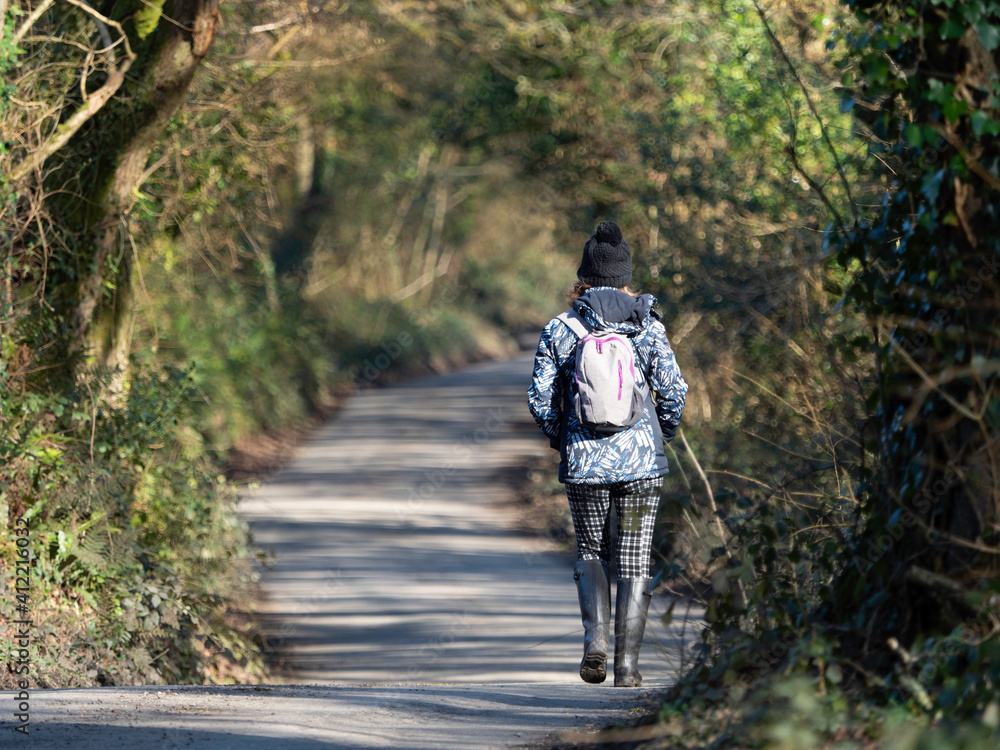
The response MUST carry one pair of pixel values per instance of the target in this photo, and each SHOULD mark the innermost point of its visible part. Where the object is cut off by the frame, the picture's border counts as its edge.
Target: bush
(138, 553)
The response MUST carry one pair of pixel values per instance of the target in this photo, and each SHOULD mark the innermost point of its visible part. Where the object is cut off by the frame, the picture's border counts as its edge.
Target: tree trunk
(107, 159)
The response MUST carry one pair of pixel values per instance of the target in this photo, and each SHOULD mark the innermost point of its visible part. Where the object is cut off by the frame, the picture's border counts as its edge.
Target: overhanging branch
(812, 107)
(30, 21)
(91, 107)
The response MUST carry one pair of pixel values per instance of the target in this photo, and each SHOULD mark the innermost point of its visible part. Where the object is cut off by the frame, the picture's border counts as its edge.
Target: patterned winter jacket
(590, 457)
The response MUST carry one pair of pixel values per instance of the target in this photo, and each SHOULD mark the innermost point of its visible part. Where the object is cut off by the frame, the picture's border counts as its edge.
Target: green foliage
(260, 369)
(799, 712)
(138, 554)
(9, 53)
(148, 17)
(8, 49)
(285, 298)
(924, 273)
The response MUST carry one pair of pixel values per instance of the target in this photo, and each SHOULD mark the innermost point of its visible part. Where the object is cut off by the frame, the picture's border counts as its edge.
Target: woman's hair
(579, 287)
(574, 292)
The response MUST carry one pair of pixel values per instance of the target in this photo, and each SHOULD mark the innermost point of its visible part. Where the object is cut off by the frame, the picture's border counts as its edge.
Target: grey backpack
(609, 398)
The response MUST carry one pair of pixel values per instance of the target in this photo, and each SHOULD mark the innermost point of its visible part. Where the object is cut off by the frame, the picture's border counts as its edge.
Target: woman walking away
(607, 392)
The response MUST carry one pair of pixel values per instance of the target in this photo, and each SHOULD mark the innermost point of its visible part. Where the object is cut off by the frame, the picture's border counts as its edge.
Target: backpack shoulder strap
(575, 322)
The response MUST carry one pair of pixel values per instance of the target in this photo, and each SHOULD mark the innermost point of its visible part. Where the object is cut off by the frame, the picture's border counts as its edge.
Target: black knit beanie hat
(607, 260)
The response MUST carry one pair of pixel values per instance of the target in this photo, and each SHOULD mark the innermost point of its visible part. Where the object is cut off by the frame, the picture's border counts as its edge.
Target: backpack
(609, 399)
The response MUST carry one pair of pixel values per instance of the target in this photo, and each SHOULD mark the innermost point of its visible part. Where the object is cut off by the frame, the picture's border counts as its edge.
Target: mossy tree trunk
(95, 180)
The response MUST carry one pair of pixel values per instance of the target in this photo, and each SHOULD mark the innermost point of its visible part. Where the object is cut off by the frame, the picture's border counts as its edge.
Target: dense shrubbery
(869, 613)
(139, 559)
(139, 562)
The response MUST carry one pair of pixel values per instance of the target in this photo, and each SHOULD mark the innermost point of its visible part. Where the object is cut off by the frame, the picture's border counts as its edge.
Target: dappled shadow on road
(309, 716)
(393, 562)
(430, 602)
(70, 736)
(418, 602)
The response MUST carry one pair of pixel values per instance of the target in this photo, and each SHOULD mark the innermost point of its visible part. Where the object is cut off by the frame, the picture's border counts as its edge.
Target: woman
(625, 468)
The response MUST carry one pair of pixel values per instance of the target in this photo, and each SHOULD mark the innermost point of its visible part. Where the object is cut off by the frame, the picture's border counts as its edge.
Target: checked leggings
(635, 506)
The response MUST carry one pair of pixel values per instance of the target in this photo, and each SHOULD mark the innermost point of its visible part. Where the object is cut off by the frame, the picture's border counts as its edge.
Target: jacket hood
(609, 309)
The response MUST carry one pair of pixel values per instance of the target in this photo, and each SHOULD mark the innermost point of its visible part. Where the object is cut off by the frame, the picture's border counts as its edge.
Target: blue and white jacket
(590, 457)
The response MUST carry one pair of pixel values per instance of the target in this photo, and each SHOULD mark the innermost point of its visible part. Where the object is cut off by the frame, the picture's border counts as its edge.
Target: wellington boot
(631, 608)
(595, 607)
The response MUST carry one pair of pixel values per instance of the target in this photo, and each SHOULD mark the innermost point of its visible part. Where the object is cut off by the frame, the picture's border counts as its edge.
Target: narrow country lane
(407, 612)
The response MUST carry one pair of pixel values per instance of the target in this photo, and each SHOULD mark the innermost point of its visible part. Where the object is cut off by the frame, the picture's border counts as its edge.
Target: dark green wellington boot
(631, 608)
(592, 585)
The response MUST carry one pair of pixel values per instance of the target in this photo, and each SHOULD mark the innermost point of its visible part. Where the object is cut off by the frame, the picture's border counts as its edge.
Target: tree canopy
(217, 216)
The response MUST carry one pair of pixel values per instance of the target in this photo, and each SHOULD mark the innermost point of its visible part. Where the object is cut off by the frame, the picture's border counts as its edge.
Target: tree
(96, 86)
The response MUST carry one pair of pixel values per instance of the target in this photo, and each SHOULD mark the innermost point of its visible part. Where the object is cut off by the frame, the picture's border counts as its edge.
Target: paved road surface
(409, 616)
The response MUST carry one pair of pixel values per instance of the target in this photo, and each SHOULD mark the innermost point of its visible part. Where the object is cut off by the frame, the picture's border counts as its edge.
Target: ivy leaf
(877, 70)
(873, 400)
(989, 34)
(930, 187)
(954, 109)
(147, 19)
(982, 123)
(952, 28)
(914, 135)
(938, 92)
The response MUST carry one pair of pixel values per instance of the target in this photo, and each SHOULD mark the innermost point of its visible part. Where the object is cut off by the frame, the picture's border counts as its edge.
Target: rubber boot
(592, 585)
(631, 608)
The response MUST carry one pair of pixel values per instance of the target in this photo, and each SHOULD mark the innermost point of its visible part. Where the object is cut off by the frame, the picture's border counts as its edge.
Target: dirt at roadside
(260, 455)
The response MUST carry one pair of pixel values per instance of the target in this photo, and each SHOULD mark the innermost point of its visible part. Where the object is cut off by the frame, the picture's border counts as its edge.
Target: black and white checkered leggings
(635, 505)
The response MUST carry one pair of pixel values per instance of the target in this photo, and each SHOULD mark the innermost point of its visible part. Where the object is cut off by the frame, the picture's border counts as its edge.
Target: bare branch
(715, 509)
(30, 21)
(323, 62)
(708, 489)
(427, 278)
(275, 25)
(49, 39)
(102, 19)
(68, 129)
(812, 107)
(939, 583)
(970, 161)
(91, 106)
(819, 190)
(930, 383)
(102, 29)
